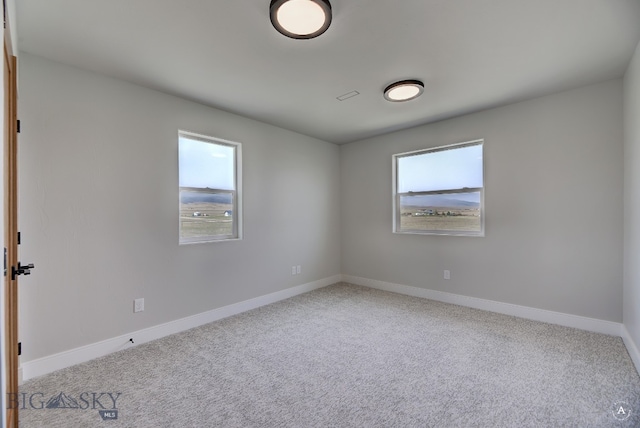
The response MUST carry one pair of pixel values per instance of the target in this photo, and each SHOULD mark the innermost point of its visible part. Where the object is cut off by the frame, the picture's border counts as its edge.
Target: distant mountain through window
(460, 200)
(211, 198)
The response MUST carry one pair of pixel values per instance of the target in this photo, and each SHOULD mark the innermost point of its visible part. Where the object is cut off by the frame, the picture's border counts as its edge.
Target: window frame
(397, 195)
(236, 214)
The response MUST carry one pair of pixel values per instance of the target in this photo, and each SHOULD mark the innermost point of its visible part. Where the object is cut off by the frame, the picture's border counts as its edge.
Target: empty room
(321, 213)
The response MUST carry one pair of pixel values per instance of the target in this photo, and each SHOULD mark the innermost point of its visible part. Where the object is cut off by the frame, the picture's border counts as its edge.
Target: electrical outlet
(447, 274)
(138, 305)
(298, 269)
(293, 270)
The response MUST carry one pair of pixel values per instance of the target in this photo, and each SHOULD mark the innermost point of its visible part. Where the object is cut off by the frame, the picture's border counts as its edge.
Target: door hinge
(19, 348)
(5, 261)
(19, 238)
(18, 126)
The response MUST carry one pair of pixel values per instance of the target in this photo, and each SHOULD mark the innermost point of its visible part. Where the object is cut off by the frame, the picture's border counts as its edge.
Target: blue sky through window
(450, 169)
(203, 164)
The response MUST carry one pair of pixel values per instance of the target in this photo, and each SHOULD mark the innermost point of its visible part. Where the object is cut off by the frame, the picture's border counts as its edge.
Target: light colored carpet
(349, 356)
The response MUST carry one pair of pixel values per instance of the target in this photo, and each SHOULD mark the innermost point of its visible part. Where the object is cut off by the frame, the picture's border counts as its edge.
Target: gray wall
(632, 198)
(553, 197)
(99, 212)
(99, 208)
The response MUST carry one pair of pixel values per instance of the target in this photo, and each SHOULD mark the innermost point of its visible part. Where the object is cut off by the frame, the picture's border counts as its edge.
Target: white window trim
(237, 193)
(396, 195)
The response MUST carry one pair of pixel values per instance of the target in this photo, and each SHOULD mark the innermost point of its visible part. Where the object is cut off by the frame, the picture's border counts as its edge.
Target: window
(210, 186)
(440, 191)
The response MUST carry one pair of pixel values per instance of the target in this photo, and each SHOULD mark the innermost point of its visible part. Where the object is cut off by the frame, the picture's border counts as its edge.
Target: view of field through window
(440, 190)
(207, 189)
(441, 213)
(205, 214)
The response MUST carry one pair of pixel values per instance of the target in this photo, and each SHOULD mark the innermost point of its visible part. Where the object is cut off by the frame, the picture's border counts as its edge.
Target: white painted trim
(51, 363)
(634, 353)
(567, 320)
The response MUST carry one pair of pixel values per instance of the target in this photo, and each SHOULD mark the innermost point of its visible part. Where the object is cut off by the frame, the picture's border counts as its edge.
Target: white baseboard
(51, 363)
(631, 347)
(567, 320)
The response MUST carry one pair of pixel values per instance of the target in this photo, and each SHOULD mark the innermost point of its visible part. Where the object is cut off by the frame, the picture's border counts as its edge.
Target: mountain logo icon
(62, 401)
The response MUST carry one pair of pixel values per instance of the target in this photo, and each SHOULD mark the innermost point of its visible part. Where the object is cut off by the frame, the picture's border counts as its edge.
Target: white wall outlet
(138, 305)
(447, 274)
(298, 269)
(293, 270)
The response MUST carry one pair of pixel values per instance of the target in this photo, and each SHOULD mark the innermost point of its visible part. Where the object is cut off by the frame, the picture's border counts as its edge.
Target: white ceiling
(471, 54)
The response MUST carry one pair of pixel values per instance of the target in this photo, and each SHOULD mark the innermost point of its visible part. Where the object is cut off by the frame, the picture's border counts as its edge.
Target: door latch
(21, 270)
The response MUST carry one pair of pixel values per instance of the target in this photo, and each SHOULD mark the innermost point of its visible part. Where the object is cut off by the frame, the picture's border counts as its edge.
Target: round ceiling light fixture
(300, 19)
(404, 90)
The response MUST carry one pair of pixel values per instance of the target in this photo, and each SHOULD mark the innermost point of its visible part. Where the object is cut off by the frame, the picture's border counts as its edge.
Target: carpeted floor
(349, 356)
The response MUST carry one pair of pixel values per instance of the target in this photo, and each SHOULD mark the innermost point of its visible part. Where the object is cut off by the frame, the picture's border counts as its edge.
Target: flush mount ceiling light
(404, 90)
(301, 19)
